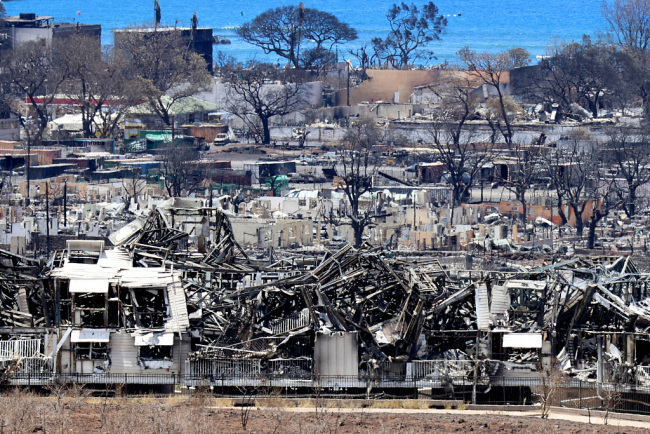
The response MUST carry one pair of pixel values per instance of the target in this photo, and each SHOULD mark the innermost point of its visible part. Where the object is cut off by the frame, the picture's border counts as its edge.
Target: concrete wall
(264, 233)
(220, 95)
(397, 86)
(20, 35)
(336, 354)
(384, 83)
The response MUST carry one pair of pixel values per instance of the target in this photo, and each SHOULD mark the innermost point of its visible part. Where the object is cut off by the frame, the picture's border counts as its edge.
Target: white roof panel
(89, 285)
(90, 335)
(522, 340)
(157, 339)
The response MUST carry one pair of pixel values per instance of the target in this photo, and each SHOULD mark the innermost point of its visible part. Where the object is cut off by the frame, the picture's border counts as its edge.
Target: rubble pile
(348, 291)
(21, 293)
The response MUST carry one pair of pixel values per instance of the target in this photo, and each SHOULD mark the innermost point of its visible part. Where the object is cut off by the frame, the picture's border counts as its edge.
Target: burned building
(199, 39)
(30, 27)
(179, 301)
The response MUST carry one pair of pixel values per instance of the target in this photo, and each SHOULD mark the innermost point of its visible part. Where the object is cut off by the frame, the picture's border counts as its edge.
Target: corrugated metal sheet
(336, 354)
(482, 308)
(23, 306)
(71, 270)
(179, 320)
(522, 340)
(183, 355)
(116, 258)
(145, 278)
(85, 245)
(124, 354)
(89, 285)
(500, 300)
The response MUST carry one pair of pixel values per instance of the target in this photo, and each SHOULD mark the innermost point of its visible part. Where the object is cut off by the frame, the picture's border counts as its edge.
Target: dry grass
(222, 402)
(73, 412)
(413, 404)
(306, 403)
(274, 402)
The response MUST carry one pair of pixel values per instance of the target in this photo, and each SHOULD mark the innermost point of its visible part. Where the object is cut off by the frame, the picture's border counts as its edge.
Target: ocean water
(482, 25)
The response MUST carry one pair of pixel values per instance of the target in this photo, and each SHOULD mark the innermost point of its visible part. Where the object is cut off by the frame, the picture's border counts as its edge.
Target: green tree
(287, 30)
(411, 30)
(325, 30)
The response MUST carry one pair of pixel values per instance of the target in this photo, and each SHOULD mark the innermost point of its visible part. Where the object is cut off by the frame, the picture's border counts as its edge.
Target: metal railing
(44, 379)
(568, 393)
(16, 349)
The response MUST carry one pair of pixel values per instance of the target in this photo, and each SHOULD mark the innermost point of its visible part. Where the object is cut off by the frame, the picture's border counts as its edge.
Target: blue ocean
(482, 25)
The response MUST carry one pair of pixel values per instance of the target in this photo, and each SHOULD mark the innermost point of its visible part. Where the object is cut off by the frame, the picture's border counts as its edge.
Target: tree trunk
(27, 166)
(646, 103)
(266, 131)
(508, 135)
(594, 106)
(522, 199)
(579, 224)
(457, 192)
(86, 127)
(357, 228)
(595, 218)
(561, 212)
(591, 237)
(631, 208)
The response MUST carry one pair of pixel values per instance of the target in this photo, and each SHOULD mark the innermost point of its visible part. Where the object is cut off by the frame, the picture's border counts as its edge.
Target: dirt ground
(23, 413)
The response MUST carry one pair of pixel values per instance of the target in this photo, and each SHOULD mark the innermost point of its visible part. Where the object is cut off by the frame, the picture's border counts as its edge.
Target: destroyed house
(115, 318)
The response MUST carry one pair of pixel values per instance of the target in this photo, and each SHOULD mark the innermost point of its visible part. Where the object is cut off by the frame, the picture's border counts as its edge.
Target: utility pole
(415, 235)
(47, 218)
(65, 203)
(348, 68)
(210, 203)
(27, 166)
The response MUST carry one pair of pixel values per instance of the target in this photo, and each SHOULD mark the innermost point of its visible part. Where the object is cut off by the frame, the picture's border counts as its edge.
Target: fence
(43, 379)
(568, 393)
